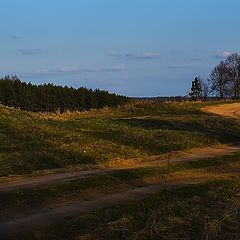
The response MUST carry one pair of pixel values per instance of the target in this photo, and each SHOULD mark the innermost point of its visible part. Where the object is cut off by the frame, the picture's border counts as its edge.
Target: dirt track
(226, 110)
(48, 216)
(192, 155)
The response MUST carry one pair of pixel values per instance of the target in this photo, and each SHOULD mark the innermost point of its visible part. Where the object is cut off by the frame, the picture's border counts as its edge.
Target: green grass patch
(33, 141)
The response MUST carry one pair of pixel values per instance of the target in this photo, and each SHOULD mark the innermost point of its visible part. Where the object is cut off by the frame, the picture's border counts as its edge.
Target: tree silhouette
(51, 98)
(196, 90)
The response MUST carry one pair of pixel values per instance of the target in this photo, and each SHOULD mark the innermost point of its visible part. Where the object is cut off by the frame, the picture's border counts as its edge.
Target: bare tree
(220, 82)
(205, 88)
(233, 65)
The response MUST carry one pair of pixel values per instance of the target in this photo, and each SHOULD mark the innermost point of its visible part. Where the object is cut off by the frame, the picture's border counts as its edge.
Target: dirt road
(49, 216)
(226, 110)
(191, 155)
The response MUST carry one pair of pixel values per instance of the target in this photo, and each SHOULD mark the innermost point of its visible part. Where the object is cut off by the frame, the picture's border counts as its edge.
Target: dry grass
(108, 137)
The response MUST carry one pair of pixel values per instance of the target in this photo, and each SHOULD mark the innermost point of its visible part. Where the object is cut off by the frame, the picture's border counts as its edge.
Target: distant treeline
(163, 99)
(52, 98)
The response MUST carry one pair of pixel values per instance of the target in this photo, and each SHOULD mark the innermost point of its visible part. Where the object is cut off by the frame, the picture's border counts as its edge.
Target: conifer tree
(51, 98)
(196, 90)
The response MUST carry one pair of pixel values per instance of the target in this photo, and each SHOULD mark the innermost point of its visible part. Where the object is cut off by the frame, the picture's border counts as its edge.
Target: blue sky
(131, 47)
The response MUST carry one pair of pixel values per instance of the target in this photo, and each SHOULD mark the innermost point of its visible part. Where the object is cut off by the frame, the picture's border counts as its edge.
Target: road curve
(227, 110)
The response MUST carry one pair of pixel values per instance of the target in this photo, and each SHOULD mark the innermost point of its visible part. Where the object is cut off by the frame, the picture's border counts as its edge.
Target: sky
(131, 47)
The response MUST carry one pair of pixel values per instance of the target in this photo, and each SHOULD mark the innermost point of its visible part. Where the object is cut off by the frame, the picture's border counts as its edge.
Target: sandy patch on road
(226, 110)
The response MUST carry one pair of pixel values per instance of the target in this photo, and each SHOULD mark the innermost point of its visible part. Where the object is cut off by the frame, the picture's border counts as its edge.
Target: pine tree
(196, 90)
(51, 98)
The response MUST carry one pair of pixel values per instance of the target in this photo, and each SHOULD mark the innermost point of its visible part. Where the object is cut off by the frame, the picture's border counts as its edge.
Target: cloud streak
(116, 68)
(27, 52)
(180, 67)
(73, 69)
(144, 56)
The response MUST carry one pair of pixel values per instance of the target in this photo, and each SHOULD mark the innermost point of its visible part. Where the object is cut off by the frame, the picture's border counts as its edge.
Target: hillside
(117, 136)
(131, 172)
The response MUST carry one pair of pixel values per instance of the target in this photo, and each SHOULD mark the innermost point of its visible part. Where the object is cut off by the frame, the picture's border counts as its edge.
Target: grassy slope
(31, 141)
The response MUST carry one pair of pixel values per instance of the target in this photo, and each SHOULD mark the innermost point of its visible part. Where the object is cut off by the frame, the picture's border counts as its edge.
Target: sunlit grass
(37, 141)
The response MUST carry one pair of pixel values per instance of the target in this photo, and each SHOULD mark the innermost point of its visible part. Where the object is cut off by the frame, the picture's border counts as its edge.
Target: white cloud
(144, 56)
(120, 67)
(41, 71)
(180, 67)
(74, 69)
(113, 54)
(33, 51)
(224, 54)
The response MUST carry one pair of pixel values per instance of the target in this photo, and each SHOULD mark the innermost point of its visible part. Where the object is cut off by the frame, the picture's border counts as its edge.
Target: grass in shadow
(203, 211)
(224, 130)
(41, 195)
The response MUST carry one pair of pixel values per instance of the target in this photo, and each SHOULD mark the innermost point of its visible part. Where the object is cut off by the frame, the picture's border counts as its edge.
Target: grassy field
(37, 144)
(33, 141)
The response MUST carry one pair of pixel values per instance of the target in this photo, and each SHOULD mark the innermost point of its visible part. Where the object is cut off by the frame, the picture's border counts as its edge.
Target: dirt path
(191, 155)
(43, 217)
(49, 216)
(226, 110)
